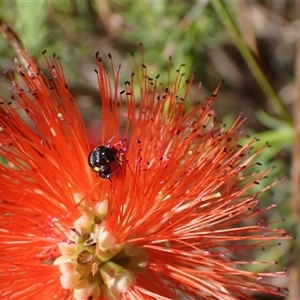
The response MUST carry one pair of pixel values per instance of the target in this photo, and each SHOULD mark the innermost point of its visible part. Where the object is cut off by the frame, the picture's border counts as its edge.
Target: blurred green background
(249, 44)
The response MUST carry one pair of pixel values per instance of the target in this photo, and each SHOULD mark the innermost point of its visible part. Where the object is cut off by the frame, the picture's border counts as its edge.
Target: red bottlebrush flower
(154, 212)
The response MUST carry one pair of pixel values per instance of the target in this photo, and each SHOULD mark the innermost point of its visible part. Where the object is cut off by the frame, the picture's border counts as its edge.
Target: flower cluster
(156, 212)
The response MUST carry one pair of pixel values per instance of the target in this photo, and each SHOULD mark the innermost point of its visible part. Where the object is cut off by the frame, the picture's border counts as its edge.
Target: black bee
(102, 160)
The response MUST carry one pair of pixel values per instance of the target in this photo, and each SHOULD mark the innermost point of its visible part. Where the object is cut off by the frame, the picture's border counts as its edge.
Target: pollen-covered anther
(70, 276)
(67, 248)
(86, 290)
(117, 279)
(84, 224)
(101, 208)
(106, 247)
(105, 239)
(74, 235)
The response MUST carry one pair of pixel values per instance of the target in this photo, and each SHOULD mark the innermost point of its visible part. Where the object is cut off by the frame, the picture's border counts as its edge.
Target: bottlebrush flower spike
(164, 222)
